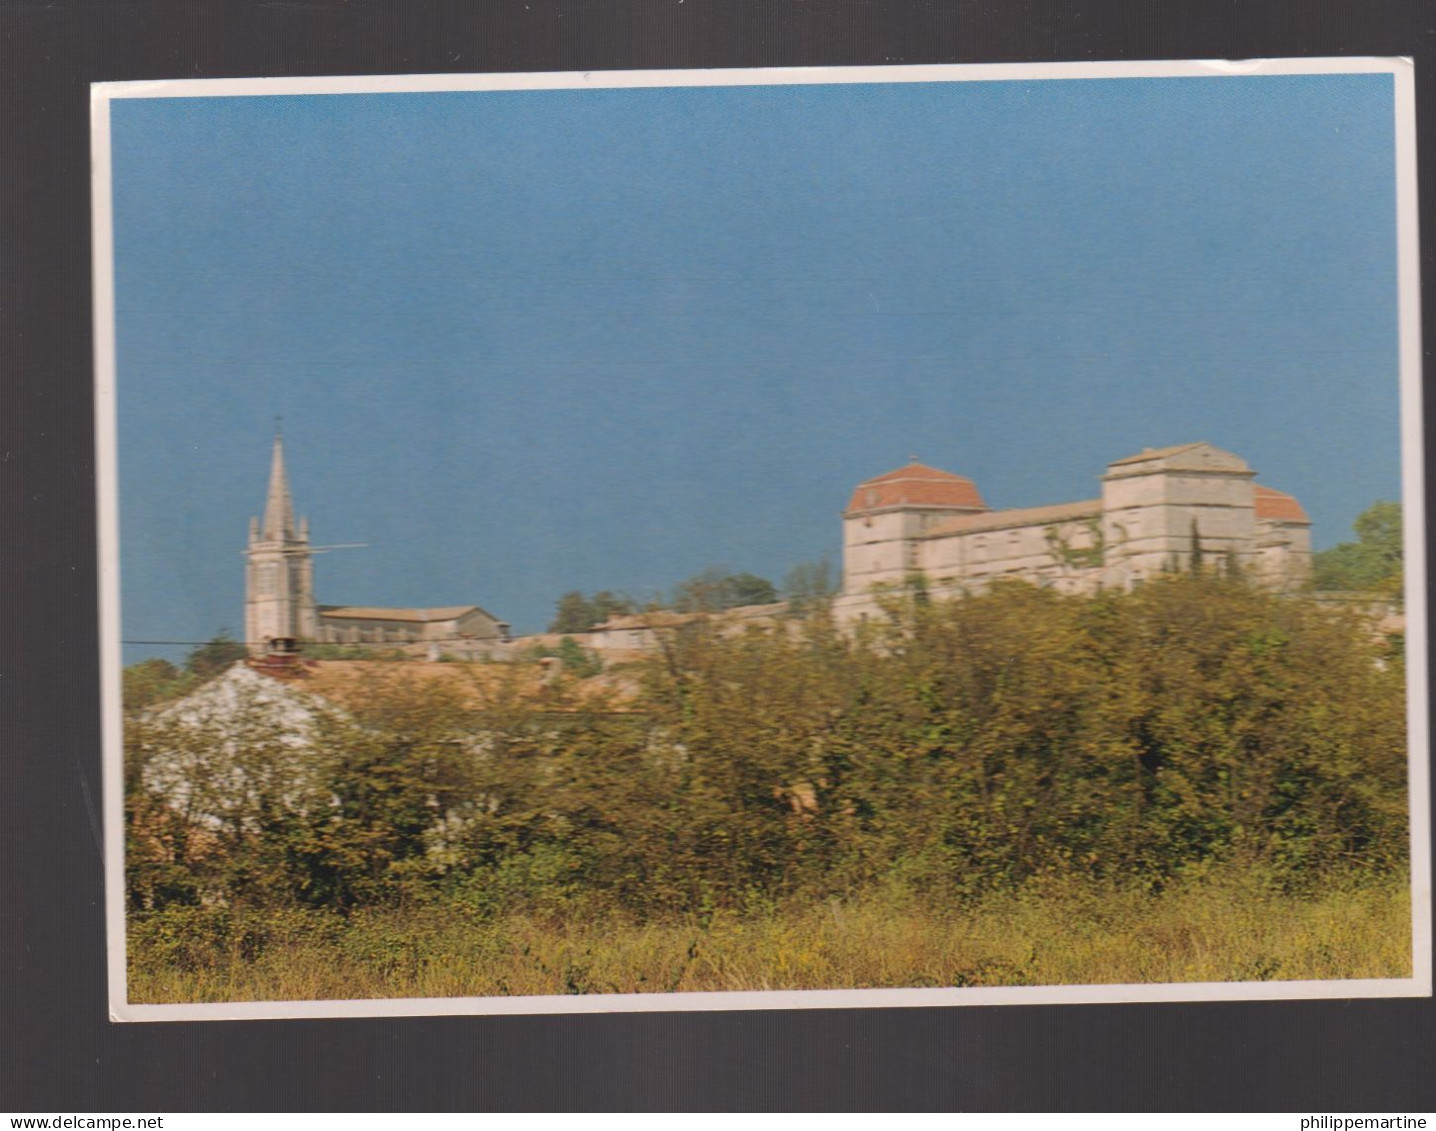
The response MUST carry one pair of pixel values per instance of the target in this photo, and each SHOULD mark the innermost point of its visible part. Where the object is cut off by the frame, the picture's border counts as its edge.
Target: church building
(279, 599)
(1162, 510)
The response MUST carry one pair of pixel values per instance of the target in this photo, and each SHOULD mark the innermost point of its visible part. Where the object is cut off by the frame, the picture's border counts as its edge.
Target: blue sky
(527, 342)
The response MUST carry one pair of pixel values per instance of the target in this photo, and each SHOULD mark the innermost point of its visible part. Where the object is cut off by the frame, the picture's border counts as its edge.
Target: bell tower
(279, 572)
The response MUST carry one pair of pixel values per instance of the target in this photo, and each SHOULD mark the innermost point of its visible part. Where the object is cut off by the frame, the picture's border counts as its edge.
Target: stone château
(1162, 510)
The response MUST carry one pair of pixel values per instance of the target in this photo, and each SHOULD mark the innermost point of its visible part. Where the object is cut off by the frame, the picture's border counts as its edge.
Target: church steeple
(278, 523)
(279, 580)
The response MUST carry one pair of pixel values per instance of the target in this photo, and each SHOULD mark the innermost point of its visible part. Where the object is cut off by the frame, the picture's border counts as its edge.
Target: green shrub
(959, 748)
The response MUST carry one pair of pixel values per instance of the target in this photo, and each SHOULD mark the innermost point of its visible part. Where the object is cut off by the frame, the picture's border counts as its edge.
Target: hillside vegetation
(1199, 780)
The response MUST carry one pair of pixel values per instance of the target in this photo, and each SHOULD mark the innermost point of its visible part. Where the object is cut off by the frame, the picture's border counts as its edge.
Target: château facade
(1162, 510)
(279, 599)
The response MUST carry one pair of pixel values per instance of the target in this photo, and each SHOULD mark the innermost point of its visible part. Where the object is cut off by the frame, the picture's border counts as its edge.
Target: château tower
(279, 576)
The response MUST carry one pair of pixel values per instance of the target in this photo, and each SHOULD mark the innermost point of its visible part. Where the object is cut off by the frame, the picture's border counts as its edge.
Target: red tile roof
(916, 485)
(1277, 506)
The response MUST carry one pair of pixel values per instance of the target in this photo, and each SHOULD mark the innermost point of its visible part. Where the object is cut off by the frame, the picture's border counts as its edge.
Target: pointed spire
(278, 523)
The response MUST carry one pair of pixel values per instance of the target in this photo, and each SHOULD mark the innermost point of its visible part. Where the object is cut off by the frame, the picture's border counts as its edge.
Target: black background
(59, 1051)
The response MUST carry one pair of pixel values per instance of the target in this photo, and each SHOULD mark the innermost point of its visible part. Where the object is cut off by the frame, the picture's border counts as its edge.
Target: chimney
(282, 659)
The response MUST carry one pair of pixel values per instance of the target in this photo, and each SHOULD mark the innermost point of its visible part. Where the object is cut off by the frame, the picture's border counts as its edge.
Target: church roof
(916, 485)
(408, 616)
(1277, 506)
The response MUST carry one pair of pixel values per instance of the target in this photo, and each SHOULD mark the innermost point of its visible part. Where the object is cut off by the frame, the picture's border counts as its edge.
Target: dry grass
(1213, 930)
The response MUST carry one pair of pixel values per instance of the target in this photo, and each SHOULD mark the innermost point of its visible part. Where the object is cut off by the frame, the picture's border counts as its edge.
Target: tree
(607, 604)
(575, 613)
(715, 590)
(153, 681)
(220, 654)
(577, 660)
(810, 586)
(749, 589)
(578, 613)
(1372, 562)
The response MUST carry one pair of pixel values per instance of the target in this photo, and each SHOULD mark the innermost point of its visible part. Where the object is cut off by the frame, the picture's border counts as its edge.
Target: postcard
(692, 540)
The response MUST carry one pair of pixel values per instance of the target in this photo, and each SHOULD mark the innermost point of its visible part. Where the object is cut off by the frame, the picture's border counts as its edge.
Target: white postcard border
(1413, 501)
